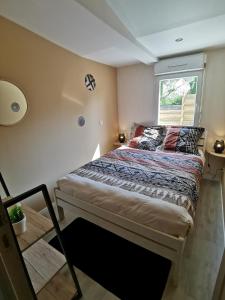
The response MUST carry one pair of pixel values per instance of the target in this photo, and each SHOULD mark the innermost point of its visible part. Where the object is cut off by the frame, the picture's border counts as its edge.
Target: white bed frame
(166, 245)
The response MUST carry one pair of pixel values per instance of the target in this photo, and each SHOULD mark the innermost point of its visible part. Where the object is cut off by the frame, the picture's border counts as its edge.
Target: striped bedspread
(169, 176)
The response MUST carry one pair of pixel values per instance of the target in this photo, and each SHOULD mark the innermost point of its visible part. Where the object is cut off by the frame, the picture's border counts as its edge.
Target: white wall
(136, 99)
(135, 95)
(213, 111)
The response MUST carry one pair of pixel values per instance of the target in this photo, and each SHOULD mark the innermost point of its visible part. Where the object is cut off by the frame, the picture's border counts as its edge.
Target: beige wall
(135, 95)
(48, 143)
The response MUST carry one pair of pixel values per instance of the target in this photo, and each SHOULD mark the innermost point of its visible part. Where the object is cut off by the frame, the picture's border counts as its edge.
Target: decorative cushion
(183, 139)
(147, 138)
(137, 129)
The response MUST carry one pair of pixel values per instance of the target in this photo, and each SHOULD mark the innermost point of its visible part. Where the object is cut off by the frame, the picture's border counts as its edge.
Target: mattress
(156, 189)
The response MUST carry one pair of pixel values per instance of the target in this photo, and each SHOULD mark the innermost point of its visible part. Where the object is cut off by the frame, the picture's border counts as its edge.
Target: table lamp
(219, 146)
(121, 137)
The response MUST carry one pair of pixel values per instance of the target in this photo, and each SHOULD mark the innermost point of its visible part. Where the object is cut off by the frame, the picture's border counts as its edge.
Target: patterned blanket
(172, 177)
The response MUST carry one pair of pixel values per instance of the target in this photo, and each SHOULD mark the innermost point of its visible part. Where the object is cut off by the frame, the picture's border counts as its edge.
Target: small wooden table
(118, 144)
(212, 153)
(221, 155)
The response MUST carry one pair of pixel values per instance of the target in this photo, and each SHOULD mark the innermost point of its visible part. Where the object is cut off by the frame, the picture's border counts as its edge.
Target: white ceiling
(197, 36)
(145, 17)
(121, 32)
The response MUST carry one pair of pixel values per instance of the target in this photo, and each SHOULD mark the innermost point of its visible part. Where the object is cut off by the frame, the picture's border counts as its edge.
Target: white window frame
(198, 102)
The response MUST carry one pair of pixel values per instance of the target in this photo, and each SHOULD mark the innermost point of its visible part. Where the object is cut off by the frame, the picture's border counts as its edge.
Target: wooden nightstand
(210, 155)
(118, 144)
(221, 155)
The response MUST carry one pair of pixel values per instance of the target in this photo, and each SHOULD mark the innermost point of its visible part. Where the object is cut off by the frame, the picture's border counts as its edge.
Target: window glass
(177, 100)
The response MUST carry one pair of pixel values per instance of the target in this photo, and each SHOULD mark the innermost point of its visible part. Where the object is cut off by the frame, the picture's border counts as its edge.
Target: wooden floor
(202, 254)
(204, 249)
(92, 290)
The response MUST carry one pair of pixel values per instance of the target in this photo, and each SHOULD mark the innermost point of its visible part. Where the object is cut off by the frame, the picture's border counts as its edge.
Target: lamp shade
(219, 146)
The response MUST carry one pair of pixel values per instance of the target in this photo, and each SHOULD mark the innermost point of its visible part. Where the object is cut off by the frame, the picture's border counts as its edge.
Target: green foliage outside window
(174, 101)
(170, 93)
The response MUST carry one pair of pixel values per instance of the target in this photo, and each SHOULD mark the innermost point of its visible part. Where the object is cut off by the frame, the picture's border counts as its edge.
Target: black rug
(125, 269)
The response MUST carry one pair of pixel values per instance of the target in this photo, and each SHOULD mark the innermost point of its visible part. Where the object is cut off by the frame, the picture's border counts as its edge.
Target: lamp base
(219, 151)
(121, 138)
(219, 146)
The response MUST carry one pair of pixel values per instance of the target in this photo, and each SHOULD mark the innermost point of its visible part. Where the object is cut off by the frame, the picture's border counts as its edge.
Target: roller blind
(186, 63)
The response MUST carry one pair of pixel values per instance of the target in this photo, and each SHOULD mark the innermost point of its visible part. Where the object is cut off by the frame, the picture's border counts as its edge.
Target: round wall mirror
(13, 104)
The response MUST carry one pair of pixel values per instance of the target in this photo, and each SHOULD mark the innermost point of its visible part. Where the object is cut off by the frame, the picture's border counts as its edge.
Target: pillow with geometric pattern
(137, 129)
(147, 138)
(183, 139)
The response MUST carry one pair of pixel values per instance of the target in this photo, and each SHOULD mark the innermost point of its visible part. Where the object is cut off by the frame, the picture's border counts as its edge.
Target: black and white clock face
(90, 82)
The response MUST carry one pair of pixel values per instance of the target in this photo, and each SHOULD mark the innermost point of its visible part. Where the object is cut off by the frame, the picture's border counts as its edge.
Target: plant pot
(21, 226)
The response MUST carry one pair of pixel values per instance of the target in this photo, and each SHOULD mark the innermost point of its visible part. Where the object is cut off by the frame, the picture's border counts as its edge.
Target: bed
(147, 197)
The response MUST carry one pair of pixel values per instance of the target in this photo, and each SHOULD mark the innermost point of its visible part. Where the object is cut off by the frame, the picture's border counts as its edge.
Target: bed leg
(176, 271)
(59, 208)
(60, 212)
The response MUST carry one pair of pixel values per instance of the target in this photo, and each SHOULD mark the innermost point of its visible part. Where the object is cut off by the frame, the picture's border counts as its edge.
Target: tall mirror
(13, 104)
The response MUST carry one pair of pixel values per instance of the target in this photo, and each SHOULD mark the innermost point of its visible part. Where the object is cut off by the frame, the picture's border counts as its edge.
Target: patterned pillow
(183, 139)
(150, 138)
(137, 129)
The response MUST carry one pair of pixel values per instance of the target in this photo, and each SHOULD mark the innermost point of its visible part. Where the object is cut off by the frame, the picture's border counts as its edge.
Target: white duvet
(155, 213)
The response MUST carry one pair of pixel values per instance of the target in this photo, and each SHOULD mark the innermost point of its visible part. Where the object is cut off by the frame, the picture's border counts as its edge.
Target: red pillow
(139, 130)
(137, 134)
(134, 142)
(171, 139)
(183, 139)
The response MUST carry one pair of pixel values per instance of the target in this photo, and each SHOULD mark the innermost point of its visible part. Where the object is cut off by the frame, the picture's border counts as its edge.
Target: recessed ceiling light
(180, 39)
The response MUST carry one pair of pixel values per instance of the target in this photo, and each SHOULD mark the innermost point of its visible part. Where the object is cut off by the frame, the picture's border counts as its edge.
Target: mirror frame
(13, 104)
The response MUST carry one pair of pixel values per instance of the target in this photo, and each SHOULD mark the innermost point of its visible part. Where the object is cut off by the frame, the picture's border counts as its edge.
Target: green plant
(16, 214)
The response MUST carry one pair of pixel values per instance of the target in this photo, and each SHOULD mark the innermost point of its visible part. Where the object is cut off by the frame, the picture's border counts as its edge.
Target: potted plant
(18, 219)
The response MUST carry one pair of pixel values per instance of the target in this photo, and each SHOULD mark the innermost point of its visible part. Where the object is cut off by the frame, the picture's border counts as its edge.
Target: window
(178, 88)
(179, 98)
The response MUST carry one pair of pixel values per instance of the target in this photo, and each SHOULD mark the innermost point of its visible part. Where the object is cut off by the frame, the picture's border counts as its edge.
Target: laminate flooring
(202, 254)
(204, 249)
